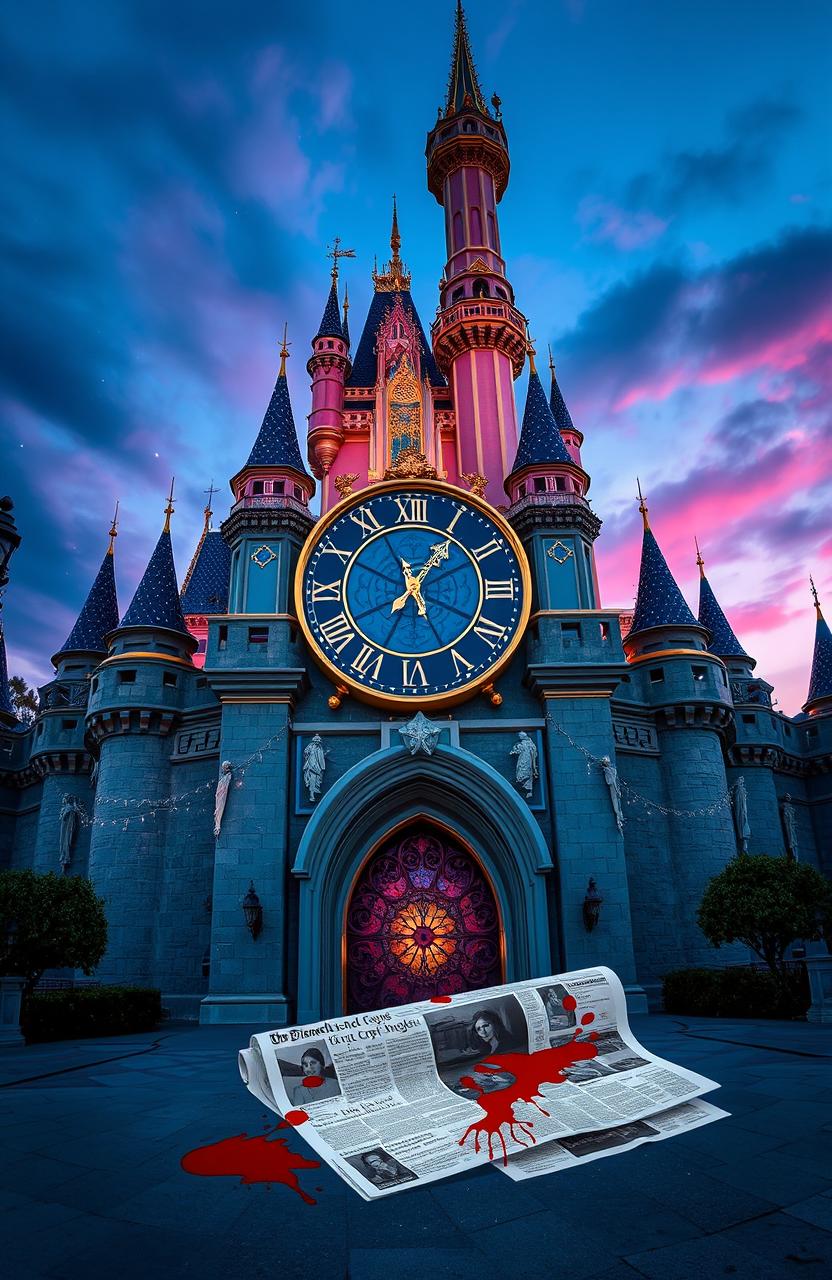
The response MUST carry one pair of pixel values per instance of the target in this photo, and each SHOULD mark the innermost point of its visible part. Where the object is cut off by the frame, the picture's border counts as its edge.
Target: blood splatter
(296, 1117)
(440, 999)
(587, 1018)
(257, 1159)
(526, 1073)
(312, 1082)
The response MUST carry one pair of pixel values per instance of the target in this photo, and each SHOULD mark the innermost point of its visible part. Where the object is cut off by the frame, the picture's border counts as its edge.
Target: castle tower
(479, 338)
(328, 367)
(819, 698)
(136, 699)
(205, 587)
(256, 667)
(687, 687)
(59, 751)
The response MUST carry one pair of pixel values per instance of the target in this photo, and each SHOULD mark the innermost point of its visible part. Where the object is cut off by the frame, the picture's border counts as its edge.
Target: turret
(819, 698)
(86, 643)
(328, 367)
(572, 437)
(745, 687)
(205, 587)
(479, 338)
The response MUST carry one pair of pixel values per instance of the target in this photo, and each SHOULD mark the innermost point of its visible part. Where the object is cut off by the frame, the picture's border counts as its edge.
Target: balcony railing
(273, 501)
(478, 309)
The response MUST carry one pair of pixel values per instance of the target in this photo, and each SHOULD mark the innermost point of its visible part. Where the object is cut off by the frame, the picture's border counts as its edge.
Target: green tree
(49, 922)
(24, 699)
(767, 903)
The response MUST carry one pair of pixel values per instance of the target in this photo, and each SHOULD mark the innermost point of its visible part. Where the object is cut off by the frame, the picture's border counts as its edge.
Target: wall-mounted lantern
(253, 911)
(592, 905)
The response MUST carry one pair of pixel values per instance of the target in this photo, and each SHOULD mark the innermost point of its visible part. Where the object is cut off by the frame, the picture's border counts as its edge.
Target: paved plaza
(90, 1183)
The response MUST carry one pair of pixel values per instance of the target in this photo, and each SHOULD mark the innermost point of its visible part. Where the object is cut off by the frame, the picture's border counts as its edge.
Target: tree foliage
(767, 903)
(49, 922)
(24, 699)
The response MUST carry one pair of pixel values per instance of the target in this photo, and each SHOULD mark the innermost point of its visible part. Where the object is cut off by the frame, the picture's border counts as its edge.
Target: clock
(412, 592)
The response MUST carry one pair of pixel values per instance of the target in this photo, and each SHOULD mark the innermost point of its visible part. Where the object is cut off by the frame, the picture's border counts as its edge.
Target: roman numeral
(498, 590)
(413, 673)
(412, 511)
(453, 522)
(329, 549)
(326, 591)
(365, 519)
(367, 662)
(460, 662)
(488, 550)
(491, 632)
(337, 632)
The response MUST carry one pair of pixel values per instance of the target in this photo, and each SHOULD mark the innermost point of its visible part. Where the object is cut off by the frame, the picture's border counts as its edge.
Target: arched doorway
(422, 920)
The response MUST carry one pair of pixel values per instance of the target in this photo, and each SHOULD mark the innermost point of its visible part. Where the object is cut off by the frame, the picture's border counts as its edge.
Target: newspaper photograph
(405, 1096)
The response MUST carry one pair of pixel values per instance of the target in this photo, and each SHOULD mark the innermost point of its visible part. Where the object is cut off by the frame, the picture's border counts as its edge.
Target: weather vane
(337, 252)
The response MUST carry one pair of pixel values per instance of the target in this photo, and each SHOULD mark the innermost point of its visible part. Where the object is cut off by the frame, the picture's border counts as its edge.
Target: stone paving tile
(481, 1201)
(788, 1118)
(708, 1257)
(381, 1264)
(814, 1153)
(781, 1180)
(817, 1209)
(774, 1237)
(541, 1246)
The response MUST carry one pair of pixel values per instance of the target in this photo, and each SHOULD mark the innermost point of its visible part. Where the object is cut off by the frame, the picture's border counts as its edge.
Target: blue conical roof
(330, 326)
(345, 328)
(365, 364)
(659, 602)
(277, 441)
(205, 589)
(7, 711)
(463, 82)
(557, 404)
(540, 439)
(723, 641)
(99, 615)
(156, 602)
(820, 681)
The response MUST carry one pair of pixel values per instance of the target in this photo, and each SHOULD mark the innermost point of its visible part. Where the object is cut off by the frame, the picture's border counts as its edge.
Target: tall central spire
(464, 91)
(395, 277)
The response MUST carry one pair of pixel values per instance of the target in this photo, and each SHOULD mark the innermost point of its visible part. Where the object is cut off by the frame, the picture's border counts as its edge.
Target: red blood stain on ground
(312, 1082)
(440, 999)
(255, 1159)
(294, 1118)
(529, 1072)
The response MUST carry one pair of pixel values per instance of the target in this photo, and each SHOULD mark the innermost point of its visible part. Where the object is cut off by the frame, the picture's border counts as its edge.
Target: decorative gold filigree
(345, 483)
(559, 552)
(410, 464)
(478, 265)
(476, 483)
(395, 277)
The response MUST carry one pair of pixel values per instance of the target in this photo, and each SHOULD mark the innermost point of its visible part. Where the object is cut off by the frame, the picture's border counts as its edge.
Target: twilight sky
(174, 172)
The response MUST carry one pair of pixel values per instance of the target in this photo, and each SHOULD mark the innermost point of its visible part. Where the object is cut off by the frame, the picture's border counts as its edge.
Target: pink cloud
(601, 221)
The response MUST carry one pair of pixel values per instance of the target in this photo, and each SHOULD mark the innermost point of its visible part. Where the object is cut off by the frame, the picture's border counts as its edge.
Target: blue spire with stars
(557, 404)
(205, 589)
(277, 441)
(723, 641)
(659, 602)
(156, 602)
(330, 326)
(540, 439)
(820, 681)
(99, 615)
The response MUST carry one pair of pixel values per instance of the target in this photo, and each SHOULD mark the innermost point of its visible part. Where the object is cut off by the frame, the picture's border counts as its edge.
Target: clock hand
(439, 552)
(414, 582)
(410, 583)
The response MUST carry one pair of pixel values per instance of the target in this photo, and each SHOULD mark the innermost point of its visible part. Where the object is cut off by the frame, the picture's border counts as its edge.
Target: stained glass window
(422, 921)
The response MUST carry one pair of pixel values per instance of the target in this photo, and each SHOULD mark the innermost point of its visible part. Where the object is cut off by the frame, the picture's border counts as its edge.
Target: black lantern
(9, 539)
(592, 905)
(253, 911)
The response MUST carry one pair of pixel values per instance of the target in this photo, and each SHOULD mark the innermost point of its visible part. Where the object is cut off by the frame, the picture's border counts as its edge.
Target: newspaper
(402, 1097)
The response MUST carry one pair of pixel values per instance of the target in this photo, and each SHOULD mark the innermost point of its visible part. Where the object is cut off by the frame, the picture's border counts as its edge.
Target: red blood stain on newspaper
(526, 1073)
(258, 1159)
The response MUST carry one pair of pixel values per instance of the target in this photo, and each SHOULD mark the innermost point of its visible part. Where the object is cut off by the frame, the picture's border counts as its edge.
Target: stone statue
(221, 794)
(526, 751)
(789, 826)
(741, 814)
(70, 816)
(94, 774)
(420, 734)
(611, 778)
(314, 766)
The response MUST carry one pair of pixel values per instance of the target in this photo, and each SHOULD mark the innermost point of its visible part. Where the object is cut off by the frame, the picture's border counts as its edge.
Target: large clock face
(412, 591)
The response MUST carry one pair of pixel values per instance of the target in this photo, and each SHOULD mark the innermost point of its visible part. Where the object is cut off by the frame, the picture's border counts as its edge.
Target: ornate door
(422, 921)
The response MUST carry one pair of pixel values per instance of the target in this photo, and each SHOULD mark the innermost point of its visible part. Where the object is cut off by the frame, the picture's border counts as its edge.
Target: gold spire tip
(642, 506)
(113, 531)
(335, 253)
(699, 559)
(169, 507)
(284, 351)
(530, 351)
(208, 511)
(815, 597)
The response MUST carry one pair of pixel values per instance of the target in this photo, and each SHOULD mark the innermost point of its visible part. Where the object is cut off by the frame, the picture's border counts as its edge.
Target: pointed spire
(205, 589)
(277, 440)
(540, 440)
(394, 277)
(464, 91)
(345, 327)
(330, 326)
(820, 681)
(723, 642)
(99, 613)
(206, 526)
(659, 602)
(284, 353)
(113, 531)
(156, 601)
(557, 404)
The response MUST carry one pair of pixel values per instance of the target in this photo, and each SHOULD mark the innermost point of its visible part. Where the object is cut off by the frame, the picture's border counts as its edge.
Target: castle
(404, 750)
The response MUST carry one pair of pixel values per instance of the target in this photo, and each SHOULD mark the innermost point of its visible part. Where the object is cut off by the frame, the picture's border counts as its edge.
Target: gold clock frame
(396, 701)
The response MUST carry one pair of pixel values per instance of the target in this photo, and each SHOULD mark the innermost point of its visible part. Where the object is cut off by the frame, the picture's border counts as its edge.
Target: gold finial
(395, 238)
(346, 300)
(530, 350)
(699, 559)
(395, 276)
(551, 360)
(208, 512)
(335, 253)
(113, 531)
(169, 507)
(642, 506)
(815, 597)
(284, 351)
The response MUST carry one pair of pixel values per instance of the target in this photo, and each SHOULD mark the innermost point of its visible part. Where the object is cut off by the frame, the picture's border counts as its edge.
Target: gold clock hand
(410, 583)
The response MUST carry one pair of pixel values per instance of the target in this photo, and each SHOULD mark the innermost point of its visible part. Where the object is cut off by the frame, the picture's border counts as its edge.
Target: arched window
(457, 295)
(480, 289)
(501, 293)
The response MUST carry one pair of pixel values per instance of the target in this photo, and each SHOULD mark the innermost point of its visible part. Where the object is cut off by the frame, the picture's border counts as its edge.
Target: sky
(173, 174)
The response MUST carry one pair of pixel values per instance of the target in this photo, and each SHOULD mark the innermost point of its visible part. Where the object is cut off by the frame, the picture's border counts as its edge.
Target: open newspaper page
(401, 1097)
(569, 1153)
